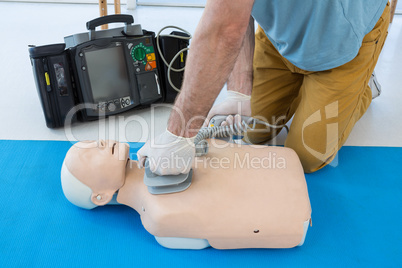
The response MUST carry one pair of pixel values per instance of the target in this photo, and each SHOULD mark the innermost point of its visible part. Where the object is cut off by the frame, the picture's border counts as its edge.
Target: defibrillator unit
(103, 73)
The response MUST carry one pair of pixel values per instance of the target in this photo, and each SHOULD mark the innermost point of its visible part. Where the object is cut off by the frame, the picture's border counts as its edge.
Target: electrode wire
(169, 65)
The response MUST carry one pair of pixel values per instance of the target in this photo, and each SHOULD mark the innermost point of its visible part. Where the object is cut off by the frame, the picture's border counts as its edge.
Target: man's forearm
(241, 77)
(213, 53)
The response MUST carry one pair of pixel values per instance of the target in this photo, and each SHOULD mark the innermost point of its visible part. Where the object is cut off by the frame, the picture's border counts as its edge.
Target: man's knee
(260, 135)
(311, 159)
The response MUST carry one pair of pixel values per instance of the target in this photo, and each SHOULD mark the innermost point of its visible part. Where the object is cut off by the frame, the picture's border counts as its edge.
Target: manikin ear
(101, 199)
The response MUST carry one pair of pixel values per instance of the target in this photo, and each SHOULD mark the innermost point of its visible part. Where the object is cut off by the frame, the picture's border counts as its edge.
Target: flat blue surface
(357, 218)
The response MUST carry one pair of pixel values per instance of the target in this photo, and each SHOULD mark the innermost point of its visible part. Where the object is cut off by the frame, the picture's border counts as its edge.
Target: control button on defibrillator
(139, 53)
(148, 67)
(151, 57)
(116, 102)
(111, 106)
(153, 64)
(149, 49)
(103, 106)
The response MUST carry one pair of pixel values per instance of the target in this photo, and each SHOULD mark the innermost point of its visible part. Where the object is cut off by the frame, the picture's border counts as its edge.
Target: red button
(148, 67)
(152, 63)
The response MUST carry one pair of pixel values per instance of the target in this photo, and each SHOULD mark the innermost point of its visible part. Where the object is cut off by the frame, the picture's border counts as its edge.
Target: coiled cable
(249, 124)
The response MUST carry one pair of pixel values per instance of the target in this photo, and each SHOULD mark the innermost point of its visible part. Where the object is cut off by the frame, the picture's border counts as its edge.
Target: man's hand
(168, 154)
(235, 103)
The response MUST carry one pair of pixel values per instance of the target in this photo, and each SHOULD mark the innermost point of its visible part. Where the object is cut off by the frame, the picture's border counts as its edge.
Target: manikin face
(99, 165)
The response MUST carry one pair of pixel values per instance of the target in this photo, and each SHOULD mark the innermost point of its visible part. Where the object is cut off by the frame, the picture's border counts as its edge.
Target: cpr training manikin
(241, 196)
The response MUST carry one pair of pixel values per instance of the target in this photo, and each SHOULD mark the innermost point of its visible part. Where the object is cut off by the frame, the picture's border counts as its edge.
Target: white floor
(21, 116)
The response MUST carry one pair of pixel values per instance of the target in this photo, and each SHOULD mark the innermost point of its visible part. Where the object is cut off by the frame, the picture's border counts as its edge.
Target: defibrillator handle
(118, 18)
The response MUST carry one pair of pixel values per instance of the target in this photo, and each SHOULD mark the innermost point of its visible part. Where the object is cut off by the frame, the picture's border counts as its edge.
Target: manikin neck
(114, 200)
(133, 176)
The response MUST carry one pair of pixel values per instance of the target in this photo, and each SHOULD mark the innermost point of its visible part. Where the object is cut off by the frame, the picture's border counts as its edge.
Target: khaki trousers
(325, 105)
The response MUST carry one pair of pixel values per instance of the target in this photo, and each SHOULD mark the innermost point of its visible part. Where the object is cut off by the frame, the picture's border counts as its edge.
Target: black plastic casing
(170, 46)
(58, 97)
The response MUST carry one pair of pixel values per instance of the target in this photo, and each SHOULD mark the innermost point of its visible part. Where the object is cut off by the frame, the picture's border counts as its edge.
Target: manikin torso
(240, 197)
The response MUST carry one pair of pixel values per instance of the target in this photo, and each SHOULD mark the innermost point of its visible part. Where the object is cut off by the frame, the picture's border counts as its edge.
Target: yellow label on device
(182, 57)
(47, 79)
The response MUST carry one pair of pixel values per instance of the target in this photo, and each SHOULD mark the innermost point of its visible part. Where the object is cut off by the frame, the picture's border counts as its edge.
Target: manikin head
(93, 171)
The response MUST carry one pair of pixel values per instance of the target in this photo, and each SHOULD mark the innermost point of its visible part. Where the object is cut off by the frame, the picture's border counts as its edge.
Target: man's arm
(241, 78)
(240, 82)
(216, 45)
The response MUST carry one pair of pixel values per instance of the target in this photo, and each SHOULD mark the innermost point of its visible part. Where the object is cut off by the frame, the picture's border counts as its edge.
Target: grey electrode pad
(166, 184)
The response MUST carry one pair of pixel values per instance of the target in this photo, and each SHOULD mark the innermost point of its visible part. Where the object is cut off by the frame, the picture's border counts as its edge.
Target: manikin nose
(101, 144)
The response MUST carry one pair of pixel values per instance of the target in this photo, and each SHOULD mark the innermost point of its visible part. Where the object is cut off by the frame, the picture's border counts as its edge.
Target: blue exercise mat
(357, 218)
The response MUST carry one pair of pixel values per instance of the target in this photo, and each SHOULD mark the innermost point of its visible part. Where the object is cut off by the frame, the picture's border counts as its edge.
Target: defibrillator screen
(107, 73)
